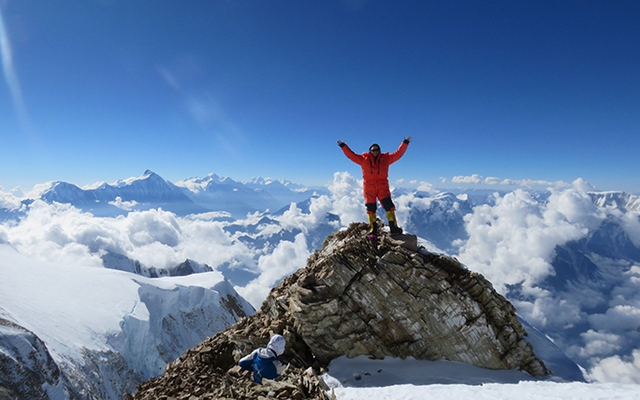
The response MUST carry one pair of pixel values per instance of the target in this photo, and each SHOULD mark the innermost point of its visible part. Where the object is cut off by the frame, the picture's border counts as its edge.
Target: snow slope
(410, 379)
(395, 379)
(84, 314)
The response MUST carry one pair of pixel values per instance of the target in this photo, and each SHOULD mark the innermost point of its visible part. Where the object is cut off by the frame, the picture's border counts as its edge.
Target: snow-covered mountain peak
(95, 185)
(41, 188)
(282, 183)
(264, 181)
(616, 199)
(101, 185)
(148, 175)
(151, 191)
(200, 184)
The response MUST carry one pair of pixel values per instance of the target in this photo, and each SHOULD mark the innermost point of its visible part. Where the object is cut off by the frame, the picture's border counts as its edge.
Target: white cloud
(157, 238)
(582, 185)
(599, 344)
(526, 183)
(294, 218)
(491, 180)
(9, 201)
(475, 178)
(628, 291)
(513, 241)
(547, 311)
(618, 369)
(347, 198)
(59, 232)
(169, 78)
(145, 227)
(160, 239)
(208, 216)
(631, 225)
(618, 318)
(426, 187)
(123, 205)
(285, 259)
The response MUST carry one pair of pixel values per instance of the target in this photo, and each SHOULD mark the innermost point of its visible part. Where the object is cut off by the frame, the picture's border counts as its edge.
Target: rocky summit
(357, 296)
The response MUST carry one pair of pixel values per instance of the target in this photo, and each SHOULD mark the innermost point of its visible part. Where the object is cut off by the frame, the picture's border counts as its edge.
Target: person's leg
(387, 204)
(390, 211)
(370, 204)
(371, 215)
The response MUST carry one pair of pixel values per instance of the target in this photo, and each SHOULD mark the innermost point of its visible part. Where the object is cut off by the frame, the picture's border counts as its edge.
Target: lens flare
(10, 74)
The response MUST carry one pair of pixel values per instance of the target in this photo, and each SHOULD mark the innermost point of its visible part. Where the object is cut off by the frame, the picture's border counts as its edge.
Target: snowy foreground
(394, 379)
(101, 322)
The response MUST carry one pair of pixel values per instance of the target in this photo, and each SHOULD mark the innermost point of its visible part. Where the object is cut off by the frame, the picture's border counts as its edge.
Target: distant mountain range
(222, 194)
(190, 196)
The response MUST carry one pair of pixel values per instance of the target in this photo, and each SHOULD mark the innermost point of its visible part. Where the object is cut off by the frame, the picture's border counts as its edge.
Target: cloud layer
(511, 240)
(513, 244)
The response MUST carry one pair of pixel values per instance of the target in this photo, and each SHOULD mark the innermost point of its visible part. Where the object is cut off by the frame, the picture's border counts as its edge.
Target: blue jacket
(263, 363)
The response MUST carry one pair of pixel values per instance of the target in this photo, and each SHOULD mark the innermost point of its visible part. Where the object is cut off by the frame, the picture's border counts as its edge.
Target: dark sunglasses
(375, 149)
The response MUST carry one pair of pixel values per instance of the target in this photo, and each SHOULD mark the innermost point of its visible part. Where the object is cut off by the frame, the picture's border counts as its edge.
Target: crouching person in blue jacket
(263, 362)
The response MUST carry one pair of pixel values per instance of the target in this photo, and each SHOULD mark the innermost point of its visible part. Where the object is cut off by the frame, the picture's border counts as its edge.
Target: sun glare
(10, 74)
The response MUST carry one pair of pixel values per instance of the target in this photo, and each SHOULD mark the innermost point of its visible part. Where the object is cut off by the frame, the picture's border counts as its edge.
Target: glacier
(96, 331)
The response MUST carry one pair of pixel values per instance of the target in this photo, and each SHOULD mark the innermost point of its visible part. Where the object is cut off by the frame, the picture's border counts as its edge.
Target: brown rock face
(359, 297)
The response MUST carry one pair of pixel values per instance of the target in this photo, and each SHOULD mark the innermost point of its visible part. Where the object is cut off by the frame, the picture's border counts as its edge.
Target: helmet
(374, 146)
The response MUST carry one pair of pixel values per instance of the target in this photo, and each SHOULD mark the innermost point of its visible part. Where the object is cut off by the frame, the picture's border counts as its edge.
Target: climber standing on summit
(375, 172)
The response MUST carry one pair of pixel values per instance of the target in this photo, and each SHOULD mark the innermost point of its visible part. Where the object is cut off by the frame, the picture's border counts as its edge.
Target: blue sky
(518, 90)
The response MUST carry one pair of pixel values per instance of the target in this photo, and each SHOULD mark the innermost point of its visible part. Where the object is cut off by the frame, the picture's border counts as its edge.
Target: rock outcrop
(358, 297)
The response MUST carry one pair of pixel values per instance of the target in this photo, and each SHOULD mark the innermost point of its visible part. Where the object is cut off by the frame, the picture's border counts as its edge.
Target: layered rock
(359, 297)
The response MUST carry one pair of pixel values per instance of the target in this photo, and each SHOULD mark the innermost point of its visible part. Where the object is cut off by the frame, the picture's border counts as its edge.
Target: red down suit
(375, 172)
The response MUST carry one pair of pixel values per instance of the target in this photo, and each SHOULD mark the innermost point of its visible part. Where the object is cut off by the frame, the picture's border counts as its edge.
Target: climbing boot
(393, 225)
(372, 224)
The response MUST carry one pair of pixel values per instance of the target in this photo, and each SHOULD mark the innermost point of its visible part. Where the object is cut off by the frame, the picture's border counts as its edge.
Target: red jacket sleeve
(356, 158)
(395, 156)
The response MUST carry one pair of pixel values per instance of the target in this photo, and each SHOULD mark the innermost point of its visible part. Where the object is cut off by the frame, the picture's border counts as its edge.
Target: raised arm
(395, 156)
(356, 158)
